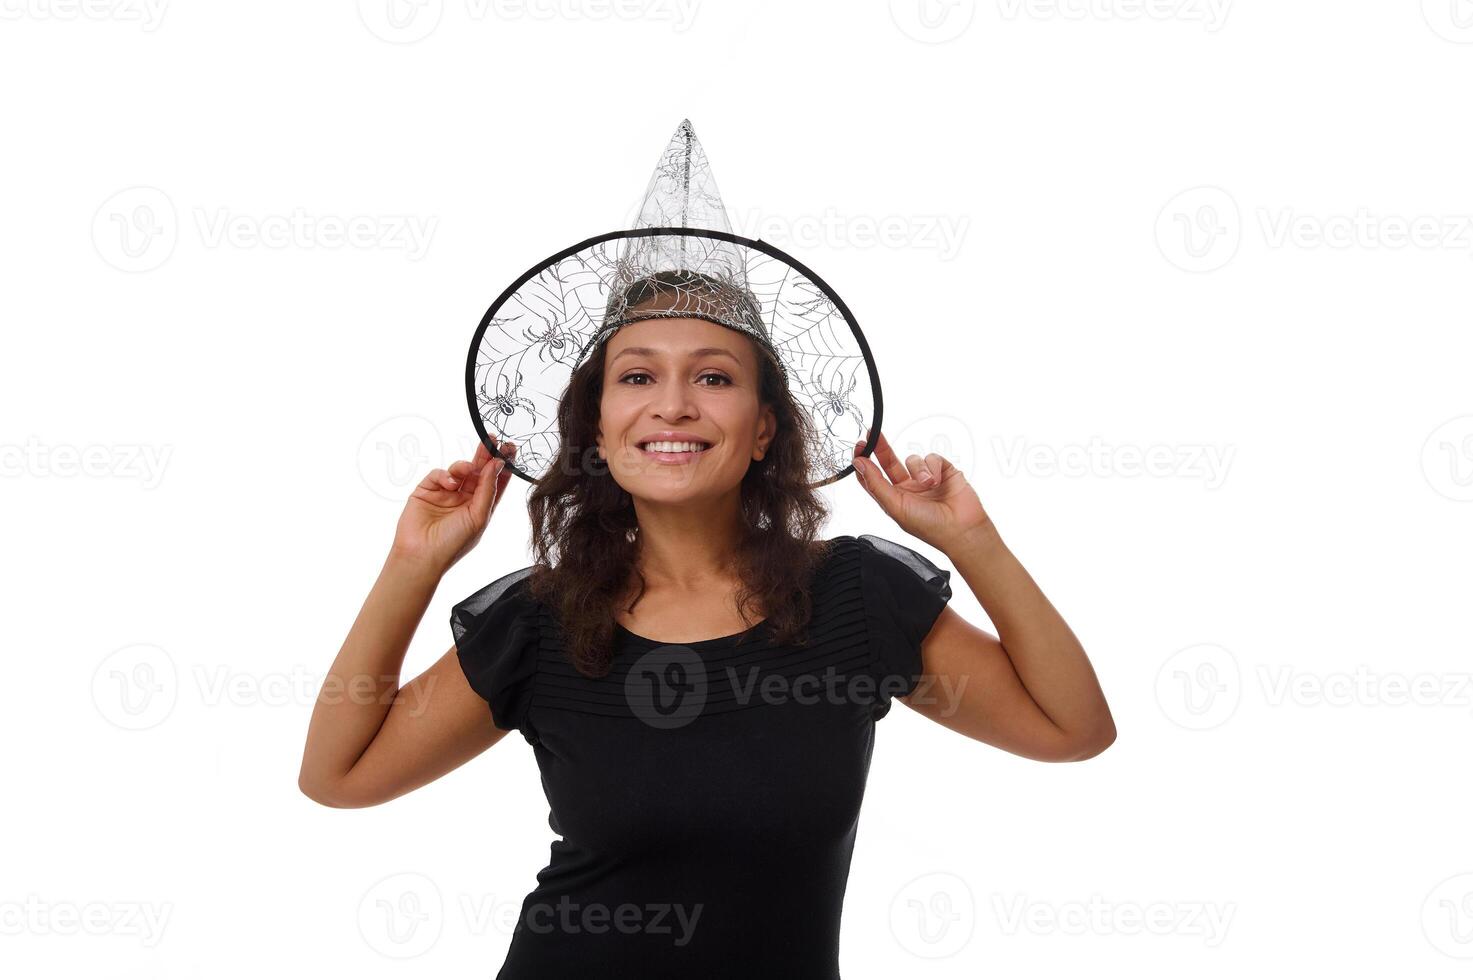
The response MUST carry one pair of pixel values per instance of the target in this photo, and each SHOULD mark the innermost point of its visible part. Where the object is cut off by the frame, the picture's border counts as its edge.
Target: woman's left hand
(927, 496)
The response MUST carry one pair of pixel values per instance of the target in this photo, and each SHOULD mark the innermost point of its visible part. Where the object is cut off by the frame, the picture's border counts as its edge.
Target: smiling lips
(673, 451)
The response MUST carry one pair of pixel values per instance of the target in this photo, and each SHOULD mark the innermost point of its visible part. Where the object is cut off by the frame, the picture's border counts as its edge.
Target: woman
(698, 673)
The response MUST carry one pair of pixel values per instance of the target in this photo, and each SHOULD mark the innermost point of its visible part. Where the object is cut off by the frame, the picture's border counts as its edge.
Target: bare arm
(1031, 691)
(372, 739)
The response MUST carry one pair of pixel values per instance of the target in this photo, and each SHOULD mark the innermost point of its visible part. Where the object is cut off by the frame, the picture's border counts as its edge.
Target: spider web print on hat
(681, 260)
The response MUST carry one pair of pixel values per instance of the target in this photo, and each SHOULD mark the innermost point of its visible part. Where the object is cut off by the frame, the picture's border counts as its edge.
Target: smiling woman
(698, 672)
(672, 381)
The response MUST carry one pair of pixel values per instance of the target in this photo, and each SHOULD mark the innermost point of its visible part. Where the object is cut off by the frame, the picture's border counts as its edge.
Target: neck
(686, 545)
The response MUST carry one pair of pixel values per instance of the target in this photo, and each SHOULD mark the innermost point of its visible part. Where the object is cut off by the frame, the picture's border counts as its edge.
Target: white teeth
(675, 447)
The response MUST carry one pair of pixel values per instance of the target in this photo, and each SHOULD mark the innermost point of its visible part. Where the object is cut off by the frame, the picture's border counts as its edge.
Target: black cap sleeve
(903, 594)
(496, 638)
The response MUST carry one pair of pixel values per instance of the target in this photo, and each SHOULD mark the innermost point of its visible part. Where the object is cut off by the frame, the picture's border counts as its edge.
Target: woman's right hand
(447, 512)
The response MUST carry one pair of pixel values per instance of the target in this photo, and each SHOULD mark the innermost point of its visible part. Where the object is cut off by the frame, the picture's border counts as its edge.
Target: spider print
(552, 342)
(834, 402)
(506, 400)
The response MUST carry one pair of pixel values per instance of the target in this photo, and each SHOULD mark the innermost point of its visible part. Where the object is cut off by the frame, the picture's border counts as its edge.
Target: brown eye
(633, 374)
(716, 374)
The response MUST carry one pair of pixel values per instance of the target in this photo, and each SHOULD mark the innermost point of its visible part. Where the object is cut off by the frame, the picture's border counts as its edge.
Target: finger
(939, 466)
(875, 483)
(435, 480)
(923, 475)
(887, 458)
(484, 497)
(502, 479)
(481, 455)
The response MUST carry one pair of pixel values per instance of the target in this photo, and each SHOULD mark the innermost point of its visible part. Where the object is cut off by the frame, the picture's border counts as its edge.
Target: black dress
(706, 794)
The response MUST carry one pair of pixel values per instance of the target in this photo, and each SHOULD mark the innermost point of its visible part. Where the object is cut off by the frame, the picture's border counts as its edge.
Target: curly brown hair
(584, 524)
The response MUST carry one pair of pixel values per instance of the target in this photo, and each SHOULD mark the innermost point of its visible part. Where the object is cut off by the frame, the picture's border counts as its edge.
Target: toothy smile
(659, 446)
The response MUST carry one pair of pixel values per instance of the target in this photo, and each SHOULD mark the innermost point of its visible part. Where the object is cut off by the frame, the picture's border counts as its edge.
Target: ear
(766, 431)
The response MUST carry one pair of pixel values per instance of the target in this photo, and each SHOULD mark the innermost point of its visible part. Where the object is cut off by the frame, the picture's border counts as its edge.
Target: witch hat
(680, 259)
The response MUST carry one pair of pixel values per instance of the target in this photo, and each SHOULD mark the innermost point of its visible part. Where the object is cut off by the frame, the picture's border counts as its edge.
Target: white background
(1182, 286)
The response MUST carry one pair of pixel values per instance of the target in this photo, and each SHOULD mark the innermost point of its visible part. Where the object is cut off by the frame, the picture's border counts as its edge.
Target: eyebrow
(698, 352)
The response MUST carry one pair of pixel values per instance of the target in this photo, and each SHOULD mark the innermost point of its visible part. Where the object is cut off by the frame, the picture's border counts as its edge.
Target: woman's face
(686, 376)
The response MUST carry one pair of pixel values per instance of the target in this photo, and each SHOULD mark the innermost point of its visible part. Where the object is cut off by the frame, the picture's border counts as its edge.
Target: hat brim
(816, 337)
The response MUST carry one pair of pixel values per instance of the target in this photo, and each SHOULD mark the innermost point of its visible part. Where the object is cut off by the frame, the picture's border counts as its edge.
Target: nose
(674, 401)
